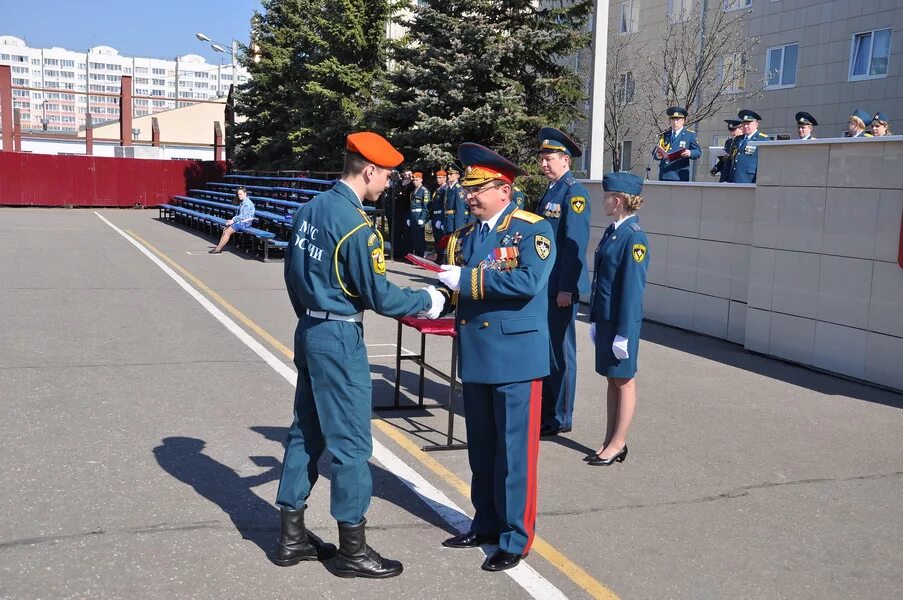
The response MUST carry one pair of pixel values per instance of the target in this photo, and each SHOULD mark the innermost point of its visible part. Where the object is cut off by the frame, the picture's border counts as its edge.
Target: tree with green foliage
(485, 71)
(319, 63)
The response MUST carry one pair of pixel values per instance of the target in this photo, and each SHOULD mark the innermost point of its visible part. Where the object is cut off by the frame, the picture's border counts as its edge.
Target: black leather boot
(297, 543)
(357, 559)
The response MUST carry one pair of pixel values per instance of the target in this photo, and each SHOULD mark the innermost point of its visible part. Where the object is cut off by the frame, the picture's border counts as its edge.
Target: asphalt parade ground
(146, 388)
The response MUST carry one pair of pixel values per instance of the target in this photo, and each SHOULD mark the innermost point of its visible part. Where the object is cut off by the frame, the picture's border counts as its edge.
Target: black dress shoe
(215, 251)
(550, 430)
(469, 540)
(590, 456)
(501, 561)
(604, 462)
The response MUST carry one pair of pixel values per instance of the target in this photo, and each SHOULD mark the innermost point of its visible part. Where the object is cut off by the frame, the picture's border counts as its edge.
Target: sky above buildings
(150, 28)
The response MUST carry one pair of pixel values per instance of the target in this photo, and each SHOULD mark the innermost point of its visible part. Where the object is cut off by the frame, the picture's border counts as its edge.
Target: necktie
(608, 231)
(484, 231)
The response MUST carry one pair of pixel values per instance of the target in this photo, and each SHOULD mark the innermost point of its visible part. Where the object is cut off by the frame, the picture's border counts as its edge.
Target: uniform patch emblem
(639, 252)
(578, 203)
(543, 246)
(379, 261)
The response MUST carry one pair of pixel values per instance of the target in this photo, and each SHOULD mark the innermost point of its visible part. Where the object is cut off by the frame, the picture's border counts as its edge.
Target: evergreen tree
(319, 62)
(487, 71)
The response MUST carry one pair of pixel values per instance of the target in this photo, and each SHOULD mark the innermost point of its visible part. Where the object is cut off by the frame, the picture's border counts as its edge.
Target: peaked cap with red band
(485, 165)
(374, 148)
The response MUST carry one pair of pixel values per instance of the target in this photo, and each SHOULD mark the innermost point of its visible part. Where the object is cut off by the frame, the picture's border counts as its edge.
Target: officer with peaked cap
(857, 123)
(745, 160)
(420, 199)
(880, 125)
(722, 167)
(499, 267)
(334, 270)
(804, 124)
(457, 215)
(677, 138)
(565, 204)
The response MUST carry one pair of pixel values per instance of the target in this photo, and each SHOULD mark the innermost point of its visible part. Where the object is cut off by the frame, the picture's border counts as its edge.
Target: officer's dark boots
(296, 543)
(357, 559)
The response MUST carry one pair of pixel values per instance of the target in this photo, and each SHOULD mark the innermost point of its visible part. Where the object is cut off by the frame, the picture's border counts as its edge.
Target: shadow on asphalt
(254, 518)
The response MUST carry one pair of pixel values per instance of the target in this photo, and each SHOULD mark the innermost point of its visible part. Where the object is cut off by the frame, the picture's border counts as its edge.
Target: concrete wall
(801, 266)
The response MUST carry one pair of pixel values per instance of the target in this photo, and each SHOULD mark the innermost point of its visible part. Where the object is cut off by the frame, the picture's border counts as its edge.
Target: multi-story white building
(55, 88)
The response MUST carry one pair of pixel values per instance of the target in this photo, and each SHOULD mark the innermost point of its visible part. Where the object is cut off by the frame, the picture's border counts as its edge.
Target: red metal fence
(49, 180)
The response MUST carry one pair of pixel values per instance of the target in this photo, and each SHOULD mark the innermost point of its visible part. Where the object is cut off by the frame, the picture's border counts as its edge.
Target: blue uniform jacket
(420, 198)
(436, 207)
(677, 170)
(724, 164)
(518, 198)
(565, 205)
(457, 214)
(746, 158)
(619, 278)
(501, 315)
(335, 262)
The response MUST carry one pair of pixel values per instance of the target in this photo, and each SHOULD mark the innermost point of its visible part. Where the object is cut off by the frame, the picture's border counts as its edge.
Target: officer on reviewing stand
(745, 161)
(804, 124)
(722, 168)
(334, 270)
(499, 268)
(880, 125)
(676, 139)
(565, 204)
(420, 199)
(857, 122)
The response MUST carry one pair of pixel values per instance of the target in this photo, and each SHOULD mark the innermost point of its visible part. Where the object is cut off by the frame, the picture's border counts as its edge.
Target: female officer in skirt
(616, 309)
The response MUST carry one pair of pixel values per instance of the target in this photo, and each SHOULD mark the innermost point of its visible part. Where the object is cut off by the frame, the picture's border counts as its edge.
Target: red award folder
(423, 263)
(669, 156)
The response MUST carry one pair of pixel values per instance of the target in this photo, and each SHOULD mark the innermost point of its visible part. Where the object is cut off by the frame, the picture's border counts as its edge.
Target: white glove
(451, 277)
(438, 224)
(438, 303)
(407, 222)
(420, 222)
(619, 348)
(592, 332)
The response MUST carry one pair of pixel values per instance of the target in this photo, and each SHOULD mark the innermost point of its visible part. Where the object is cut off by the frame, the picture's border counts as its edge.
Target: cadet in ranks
(565, 204)
(745, 161)
(457, 214)
(519, 198)
(616, 309)
(420, 199)
(856, 124)
(334, 270)
(880, 125)
(499, 268)
(437, 206)
(804, 124)
(676, 138)
(722, 168)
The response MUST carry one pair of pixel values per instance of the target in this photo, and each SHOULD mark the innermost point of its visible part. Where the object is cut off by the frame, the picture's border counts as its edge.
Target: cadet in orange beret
(420, 198)
(334, 270)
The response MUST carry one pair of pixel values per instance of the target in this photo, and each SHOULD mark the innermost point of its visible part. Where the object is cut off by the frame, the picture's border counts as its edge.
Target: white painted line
(528, 578)
(202, 253)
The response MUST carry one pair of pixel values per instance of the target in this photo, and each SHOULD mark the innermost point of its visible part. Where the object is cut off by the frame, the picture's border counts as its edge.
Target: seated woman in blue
(243, 218)
(616, 308)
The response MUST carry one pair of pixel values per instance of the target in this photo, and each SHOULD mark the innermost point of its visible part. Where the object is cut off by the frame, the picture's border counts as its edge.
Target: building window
(67, 63)
(736, 4)
(629, 18)
(159, 71)
(870, 53)
(626, 88)
(679, 10)
(733, 72)
(780, 67)
(626, 155)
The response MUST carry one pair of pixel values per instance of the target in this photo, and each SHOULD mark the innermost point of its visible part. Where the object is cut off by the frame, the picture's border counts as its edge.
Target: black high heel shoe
(590, 456)
(604, 462)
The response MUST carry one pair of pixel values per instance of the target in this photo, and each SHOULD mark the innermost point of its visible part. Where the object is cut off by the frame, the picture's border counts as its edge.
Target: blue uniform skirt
(606, 363)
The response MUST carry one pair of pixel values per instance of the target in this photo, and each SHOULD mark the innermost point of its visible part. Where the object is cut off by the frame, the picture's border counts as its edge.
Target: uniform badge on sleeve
(379, 261)
(543, 246)
(639, 252)
(578, 203)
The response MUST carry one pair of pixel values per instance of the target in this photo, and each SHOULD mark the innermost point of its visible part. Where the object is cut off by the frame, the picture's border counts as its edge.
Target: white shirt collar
(677, 132)
(359, 201)
(493, 220)
(620, 221)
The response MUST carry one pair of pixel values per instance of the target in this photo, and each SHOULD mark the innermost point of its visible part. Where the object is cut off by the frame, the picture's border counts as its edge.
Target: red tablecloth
(444, 327)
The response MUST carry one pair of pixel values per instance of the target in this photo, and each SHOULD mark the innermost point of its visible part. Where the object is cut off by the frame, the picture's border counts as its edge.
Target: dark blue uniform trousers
(332, 410)
(503, 447)
(559, 388)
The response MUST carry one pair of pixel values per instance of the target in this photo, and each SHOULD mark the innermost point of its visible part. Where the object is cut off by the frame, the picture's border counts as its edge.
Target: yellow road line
(570, 569)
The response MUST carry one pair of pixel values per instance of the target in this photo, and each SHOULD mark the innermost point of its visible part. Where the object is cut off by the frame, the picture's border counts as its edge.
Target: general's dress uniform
(501, 321)
(334, 270)
(565, 205)
(420, 199)
(722, 167)
(457, 214)
(619, 280)
(669, 141)
(745, 159)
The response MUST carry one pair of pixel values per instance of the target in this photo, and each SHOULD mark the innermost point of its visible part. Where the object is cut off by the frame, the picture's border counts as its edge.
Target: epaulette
(763, 135)
(525, 215)
(570, 180)
(463, 230)
(635, 227)
(366, 218)
(690, 131)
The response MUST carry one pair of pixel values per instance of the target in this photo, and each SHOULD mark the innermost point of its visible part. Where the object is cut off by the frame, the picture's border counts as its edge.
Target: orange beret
(418, 175)
(441, 173)
(374, 148)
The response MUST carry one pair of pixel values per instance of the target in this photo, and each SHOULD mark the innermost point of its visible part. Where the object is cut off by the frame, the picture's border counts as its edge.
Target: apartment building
(55, 88)
(827, 57)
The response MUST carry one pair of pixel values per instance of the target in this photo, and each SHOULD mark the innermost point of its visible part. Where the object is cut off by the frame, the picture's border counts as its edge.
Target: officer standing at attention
(746, 152)
(722, 168)
(880, 125)
(856, 124)
(519, 198)
(437, 205)
(457, 215)
(499, 268)
(565, 204)
(334, 270)
(676, 138)
(420, 199)
(804, 124)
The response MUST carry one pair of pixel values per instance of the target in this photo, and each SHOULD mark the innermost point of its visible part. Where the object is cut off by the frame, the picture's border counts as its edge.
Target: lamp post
(232, 51)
